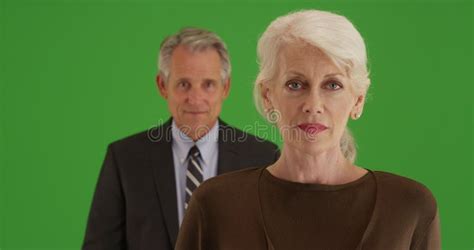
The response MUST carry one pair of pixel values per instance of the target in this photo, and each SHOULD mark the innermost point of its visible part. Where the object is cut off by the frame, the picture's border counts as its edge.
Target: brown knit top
(252, 209)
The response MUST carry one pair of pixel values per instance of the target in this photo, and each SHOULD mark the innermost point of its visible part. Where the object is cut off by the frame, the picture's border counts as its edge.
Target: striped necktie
(194, 174)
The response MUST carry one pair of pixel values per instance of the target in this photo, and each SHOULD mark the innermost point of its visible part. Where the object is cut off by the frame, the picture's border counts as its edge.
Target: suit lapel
(162, 164)
(227, 160)
(161, 156)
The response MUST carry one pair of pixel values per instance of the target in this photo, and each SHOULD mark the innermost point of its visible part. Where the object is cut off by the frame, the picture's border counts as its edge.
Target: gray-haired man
(147, 179)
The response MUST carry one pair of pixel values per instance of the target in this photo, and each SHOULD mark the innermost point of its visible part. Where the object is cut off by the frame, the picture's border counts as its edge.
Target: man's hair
(194, 39)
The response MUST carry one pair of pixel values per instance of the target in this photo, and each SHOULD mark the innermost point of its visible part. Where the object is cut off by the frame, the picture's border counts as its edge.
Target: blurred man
(147, 179)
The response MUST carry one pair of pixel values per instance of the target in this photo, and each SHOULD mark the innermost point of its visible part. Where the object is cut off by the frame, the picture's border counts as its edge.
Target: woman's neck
(327, 167)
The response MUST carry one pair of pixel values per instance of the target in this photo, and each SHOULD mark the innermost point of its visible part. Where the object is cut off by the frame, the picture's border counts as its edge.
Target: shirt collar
(206, 144)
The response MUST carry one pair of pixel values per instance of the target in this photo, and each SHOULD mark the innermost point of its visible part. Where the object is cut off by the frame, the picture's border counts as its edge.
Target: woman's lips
(312, 128)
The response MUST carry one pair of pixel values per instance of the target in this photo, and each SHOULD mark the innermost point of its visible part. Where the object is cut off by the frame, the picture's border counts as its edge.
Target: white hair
(195, 39)
(333, 34)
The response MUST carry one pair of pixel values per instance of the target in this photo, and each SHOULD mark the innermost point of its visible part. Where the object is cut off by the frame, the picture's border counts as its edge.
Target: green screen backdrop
(77, 75)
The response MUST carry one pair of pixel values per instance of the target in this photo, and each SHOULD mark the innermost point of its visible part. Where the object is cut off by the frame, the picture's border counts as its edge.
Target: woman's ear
(358, 108)
(265, 92)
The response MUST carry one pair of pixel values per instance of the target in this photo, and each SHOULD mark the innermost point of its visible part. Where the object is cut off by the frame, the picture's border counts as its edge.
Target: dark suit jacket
(134, 205)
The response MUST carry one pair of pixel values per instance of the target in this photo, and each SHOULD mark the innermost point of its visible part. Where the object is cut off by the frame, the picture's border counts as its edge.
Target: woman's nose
(313, 103)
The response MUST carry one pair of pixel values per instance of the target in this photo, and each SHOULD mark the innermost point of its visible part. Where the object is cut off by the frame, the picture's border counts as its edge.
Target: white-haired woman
(313, 78)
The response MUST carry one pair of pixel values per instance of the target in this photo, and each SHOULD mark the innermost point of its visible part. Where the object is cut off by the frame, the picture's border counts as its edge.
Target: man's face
(194, 90)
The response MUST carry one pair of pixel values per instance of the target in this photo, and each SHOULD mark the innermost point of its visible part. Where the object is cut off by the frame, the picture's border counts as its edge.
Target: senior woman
(313, 78)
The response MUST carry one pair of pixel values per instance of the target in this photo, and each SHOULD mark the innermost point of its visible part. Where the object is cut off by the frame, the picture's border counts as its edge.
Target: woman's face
(314, 99)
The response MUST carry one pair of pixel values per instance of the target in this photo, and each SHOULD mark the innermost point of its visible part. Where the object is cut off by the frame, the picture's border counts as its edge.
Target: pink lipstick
(312, 128)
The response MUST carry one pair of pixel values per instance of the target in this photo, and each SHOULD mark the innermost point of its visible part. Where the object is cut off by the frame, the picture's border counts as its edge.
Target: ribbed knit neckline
(311, 186)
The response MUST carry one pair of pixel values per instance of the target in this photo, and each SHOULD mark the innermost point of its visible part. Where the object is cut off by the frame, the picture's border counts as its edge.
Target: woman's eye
(293, 85)
(333, 85)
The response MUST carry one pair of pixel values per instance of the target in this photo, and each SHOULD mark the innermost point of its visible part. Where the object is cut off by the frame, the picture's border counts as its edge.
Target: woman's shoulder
(405, 190)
